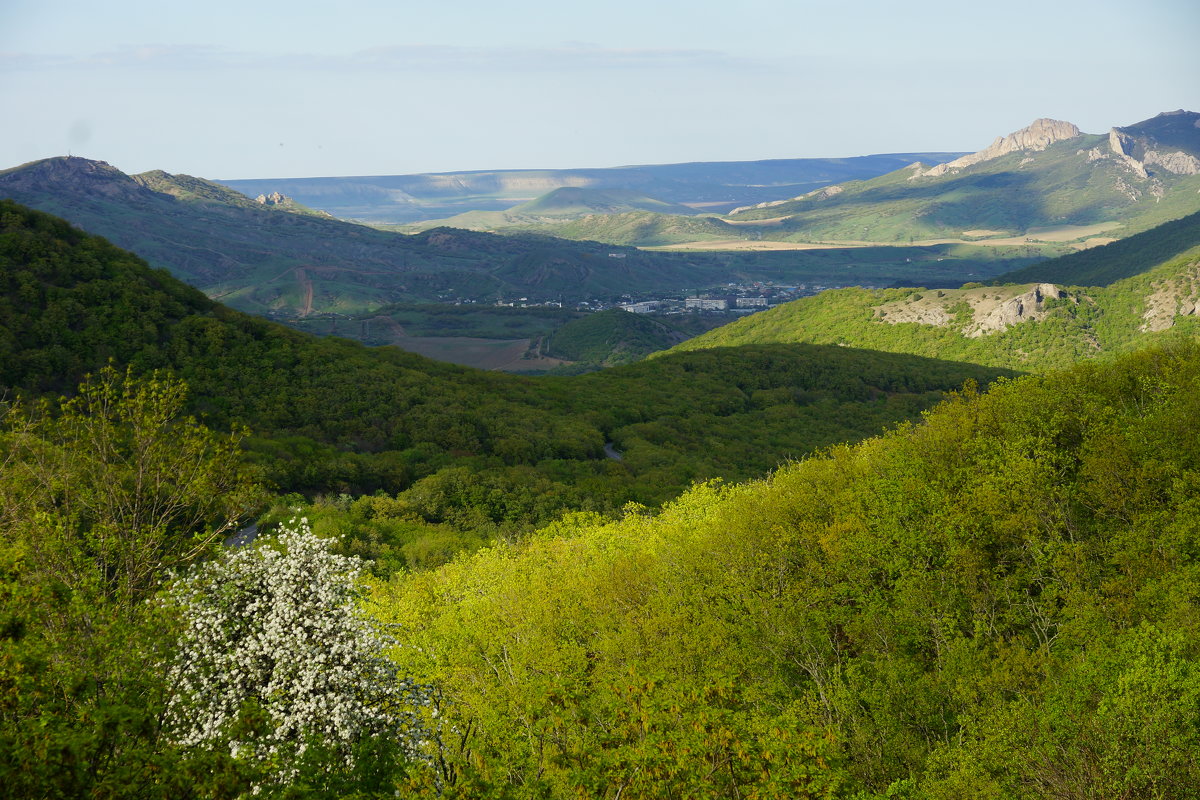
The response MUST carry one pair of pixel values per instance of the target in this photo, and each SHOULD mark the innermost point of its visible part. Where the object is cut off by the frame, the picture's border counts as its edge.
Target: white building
(752, 302)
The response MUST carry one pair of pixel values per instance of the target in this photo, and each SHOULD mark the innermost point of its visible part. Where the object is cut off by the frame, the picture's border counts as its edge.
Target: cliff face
(1037, 136)
(1168, 142)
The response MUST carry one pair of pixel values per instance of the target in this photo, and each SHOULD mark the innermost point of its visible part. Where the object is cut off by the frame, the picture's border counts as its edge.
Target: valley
(812, 478)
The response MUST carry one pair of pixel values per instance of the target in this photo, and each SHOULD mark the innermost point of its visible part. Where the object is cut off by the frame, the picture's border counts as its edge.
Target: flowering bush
(276, 658)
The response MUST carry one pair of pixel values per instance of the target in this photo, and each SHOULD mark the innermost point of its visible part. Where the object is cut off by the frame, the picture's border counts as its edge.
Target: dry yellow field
(1089, 234)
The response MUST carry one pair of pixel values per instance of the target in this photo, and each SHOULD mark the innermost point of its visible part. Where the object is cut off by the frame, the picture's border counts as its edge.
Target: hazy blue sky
(260, 88)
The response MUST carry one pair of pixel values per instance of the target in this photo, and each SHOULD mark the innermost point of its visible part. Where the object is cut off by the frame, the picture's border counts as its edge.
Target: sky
(267, 89)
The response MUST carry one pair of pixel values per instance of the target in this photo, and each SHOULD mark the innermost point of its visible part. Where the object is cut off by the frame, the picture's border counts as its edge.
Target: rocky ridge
(1037, 136)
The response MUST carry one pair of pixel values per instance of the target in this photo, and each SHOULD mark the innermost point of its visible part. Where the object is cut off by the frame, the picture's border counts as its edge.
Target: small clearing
(500, 354)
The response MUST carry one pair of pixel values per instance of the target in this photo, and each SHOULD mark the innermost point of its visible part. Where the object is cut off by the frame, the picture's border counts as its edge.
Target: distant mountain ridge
(715, 186)
(565, 204)
(263, 256)
(1048, 175)
(1045, 185)
(271, 257)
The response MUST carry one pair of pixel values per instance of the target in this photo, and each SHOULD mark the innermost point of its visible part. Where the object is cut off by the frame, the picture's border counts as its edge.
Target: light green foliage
(98, 498)
(117, 485)
(1090, 322)
(997, 602)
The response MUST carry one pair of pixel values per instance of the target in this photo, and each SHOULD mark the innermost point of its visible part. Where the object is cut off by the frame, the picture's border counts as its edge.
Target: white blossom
(280, 627)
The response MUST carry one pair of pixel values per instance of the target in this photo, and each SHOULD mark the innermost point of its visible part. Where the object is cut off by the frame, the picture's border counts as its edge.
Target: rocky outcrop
(816, 194)
(993, 309)
(1123, 147)
(1037, 136)
(1164, 142)
(1177, 162)
(1176, 297)
(272, 199)
(71, 175)
(1029, 305)
(824, 194)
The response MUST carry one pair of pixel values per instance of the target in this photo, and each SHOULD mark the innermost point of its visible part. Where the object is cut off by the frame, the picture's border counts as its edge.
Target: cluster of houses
(731, 299)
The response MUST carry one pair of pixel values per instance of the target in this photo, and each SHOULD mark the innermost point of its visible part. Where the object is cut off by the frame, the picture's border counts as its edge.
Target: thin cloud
(443, 58)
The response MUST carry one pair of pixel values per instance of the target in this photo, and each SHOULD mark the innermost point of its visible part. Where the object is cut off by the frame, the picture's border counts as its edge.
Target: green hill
(997, 603)
(1101, 266)
(1027, 326)
(332, 415)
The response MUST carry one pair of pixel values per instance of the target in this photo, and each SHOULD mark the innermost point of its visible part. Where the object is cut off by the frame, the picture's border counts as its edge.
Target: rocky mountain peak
(1038, 135)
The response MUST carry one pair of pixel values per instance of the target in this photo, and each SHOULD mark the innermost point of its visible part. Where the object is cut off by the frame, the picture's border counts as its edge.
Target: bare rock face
(993, 309)
(1037, 136)
(1178, 162)
(1026, 306)
(272, 199)
(1175, 297)
(1123, 147)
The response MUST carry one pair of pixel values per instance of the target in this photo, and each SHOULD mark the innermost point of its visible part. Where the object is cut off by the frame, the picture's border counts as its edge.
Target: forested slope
(1000, 602)
(330, 415)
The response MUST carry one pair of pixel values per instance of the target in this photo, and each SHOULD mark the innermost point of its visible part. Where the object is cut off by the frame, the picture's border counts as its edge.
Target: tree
(98, 498)
(276, 662)
(118, 486)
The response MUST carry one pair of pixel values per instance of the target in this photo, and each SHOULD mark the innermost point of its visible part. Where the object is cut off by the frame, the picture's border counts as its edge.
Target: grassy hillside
(998, 603)
(1024, 326)
(1101, 266)
(1060, 187)
(1079, 181)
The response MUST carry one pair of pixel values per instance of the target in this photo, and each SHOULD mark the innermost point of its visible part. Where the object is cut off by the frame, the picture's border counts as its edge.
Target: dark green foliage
(1103, 266)
(330, 415)
(612, 337)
